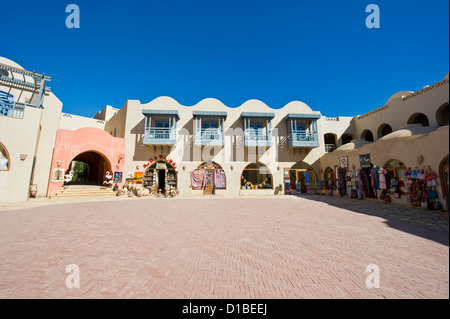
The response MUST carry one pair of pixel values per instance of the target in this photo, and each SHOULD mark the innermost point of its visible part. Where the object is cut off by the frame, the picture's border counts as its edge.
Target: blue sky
(318, 52)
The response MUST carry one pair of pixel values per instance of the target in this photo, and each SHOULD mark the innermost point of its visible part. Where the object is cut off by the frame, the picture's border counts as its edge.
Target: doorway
(161, 179)
(88, 168)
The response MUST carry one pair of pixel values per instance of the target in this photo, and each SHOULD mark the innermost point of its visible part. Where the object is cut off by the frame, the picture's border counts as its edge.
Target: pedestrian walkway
(277, 247)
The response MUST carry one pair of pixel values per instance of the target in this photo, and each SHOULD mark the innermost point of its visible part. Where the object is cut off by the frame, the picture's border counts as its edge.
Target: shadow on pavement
(420, 222)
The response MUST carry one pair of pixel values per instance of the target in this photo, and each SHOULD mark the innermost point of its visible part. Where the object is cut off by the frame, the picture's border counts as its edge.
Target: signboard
(161, 166)
(364, 160)
(118, 177)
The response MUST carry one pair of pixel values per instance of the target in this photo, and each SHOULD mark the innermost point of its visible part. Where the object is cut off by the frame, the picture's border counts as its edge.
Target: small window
(4, 158)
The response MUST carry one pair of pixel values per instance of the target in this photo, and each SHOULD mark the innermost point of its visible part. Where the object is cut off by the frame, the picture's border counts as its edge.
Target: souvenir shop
(209, 177)
(300, 178)
(158, 176)
(392, 180)
(256, 176)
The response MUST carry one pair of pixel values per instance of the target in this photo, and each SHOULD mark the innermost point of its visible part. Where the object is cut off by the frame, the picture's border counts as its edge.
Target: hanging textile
(197, 179)
(375, 178)
(382, 178)
(220, 182)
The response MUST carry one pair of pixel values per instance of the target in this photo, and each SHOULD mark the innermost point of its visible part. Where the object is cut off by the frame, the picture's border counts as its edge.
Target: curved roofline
(169, 99)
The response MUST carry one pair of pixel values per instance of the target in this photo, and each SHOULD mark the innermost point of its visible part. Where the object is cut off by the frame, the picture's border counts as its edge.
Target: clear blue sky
(318, 52)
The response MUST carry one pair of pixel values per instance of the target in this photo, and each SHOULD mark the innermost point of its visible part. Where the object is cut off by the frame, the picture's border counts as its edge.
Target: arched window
(330, 142)
(442, 115)
(256, 176)
(218, 174)
(346, 138)
(384, 130)
(419, 118)
(394, 178)
(4, 158)
(367, 135)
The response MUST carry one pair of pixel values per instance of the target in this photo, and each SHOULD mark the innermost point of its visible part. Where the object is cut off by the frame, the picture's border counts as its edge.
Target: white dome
(10, 63)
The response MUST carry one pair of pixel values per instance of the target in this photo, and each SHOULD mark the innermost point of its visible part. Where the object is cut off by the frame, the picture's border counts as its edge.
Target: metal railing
(257, 135)
(209, 134)
(160, 133)
(10, 108)
(304, 136)
(330, 147)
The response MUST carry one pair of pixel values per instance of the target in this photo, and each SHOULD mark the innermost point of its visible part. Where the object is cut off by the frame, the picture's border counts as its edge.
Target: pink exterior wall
(69, 144)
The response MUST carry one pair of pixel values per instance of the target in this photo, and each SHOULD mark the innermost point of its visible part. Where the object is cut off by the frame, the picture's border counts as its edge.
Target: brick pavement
(285, 247)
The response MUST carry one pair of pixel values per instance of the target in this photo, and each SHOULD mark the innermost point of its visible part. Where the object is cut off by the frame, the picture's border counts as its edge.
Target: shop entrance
(160, 175)
(298, 180)
(161, 179)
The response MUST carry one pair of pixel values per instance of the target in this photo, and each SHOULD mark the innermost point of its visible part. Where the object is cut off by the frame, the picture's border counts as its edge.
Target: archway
(256, 176)
(159, 175)
(367, 135)
(384, 130)
(346, 138)
(88, 168)
(4, 158)
(442, 115)
(330, 140)
(303, 177)
(329, 178)
(419, 118)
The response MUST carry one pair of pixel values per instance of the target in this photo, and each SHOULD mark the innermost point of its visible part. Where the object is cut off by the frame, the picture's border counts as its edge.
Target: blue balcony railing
(160, 136)
(209, 136)
(258, 137)
(8, 107)
(302, 138)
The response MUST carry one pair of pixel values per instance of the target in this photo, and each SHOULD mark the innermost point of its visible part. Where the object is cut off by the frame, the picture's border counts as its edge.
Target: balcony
(257, 137)
(257, 128)
(159, 136)
(9, 107)
(160, 127)
(301, 138)
(302, 130)
(208, 127)
(209, 136)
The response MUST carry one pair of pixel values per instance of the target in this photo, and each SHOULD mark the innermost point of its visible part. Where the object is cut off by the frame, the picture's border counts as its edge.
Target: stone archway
(89, 168)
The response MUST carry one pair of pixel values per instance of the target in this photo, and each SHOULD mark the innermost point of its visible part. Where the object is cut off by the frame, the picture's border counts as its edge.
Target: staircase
(83, 191)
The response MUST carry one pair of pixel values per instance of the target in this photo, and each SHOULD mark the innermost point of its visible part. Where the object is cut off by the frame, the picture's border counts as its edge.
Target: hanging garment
(376, 178)
(382, 178)
(197, 179)
(220, 182)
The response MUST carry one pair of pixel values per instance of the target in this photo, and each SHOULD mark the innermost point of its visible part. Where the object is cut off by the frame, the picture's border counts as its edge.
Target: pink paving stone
(286, 247)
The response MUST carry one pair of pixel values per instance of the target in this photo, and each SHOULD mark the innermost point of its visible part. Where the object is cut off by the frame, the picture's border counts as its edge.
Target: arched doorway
(303, 177)
(384, 130)
(330, 140)
(442, 115)
(329, 178)
(346, 138)
(419, 118)
(214, 177)
(88, 168)
(159, 175)
(4, 158)
(256, 176)
(367, 135)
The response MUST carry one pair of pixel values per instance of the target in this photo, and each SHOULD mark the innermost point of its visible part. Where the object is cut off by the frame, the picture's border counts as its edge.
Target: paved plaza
(257, 247)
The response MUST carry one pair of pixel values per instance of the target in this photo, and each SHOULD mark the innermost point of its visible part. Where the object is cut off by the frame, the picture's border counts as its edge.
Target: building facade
(209, 148)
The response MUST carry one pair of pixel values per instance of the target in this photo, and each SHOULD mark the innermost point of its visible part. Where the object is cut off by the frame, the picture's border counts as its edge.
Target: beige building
(210, 148)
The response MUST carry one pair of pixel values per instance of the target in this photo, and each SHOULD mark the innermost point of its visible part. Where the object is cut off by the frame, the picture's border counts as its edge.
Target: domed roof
(409, 130)
(354, 144)
(10, 63)
(399, 95)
